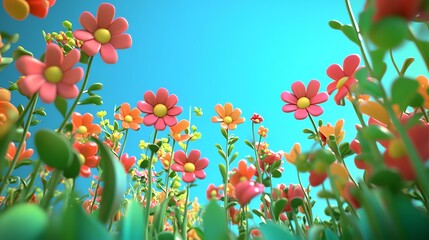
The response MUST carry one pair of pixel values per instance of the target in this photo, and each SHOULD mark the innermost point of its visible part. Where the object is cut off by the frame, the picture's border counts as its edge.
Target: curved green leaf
(272, 231)
(53, 149)
(159, 216)
(132, 225)
(214, 222)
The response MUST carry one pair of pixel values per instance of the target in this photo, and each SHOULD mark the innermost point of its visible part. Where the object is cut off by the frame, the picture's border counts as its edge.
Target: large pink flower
(302, 101)
(191, 166)
(343, 77)
(245, 191)
(160, 109)
(56, 76)
(103, 34)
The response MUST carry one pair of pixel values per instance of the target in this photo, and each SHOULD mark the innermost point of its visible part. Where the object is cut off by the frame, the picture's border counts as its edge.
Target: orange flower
(262, 131)
(130, 117)
(423, 88)
(243, 173)
(227, 116)
(328, 130)
(23, 154)
(230, 190)
(83, 126)
(8, 112)
(175, 131)
(294, 153)
(192, 235)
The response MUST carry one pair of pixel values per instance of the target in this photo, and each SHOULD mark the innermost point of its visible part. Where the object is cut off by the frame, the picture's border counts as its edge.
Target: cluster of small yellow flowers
(65, 40)
(194, 212)
(262, 131)
(143, 145)
(262, 148)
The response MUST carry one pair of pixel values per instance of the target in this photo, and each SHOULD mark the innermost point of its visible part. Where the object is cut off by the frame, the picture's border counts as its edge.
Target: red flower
(246, 191)
(408, 9)
(23, 154)
(191, 166)
(127, 162)
(213, 192)
(293, 192)
(160, 109)
(256, 118)
(242, 173)
(87, 153)
(343, 77)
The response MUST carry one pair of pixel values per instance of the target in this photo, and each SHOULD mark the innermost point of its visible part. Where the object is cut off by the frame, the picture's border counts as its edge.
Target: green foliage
(272, 231)
(214, 222)
(131, 226)
(54, 149)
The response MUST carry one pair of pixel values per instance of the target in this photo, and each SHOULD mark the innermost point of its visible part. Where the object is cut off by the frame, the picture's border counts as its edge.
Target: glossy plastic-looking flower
(227, 116)
(242, 173)
(160, 109)
(83, 126)
(87, 152)
(53, 77)
(343, 77)
(176, 131)
(128, 161)
(247, 190)
(20, 9)
(303, 101)
(8, 112)
(23, 154)
(191, 166)
(103, 34)
(130, 117)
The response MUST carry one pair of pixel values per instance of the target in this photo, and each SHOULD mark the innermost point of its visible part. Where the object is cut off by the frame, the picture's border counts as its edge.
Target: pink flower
(191, 166)
(343, 77)
(56, 76)
(160, 109)
(213, 192)
(294, 193)
(302, 101)
(103, 34)
(272, 157)
(127, 161)
(245, 191)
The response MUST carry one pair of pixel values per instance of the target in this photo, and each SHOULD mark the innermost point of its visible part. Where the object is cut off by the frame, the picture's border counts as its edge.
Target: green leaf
(223, 172)
(404, 91)
(376, 132)
(94, 99)
(222, 154)
(132, 224)
(248, 143)
(389, 32)
(224, 133)
(258, 213)
(73, 170)
(214, 222)
(40, 111)
(23, 162)
(230, 148)
(386, 177)
(159, 216)
(5, 61)
(61, 105)
(83, 57)
(406, 64)
(272, 231)
(153, 148)
(218, 146)
(114, 182)
(279, 205)
(276, 173)
(95, 87)
(234, 156)
(334, 24)
(365, 86)
(23, 221)
(379, 66)
(19, 52)
(166, 236)
(326, 194)
(345, 150)
(317, 232)
(54, 149)
(350, 33)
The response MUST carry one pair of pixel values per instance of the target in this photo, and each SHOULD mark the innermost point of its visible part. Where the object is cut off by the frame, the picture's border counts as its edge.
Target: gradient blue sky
(208, 52)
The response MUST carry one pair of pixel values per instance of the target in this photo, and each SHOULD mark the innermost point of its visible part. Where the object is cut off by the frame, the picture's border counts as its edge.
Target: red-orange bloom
(87, 152)
(23, 154)
(8, 112)
(242, 173)
(227, 116)
(83, 126)
(130, 117)
(176, 130)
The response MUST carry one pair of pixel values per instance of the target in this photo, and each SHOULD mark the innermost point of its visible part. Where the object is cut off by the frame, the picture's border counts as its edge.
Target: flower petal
(118, 26)
(200, 174)
(228, 109)
(28, 65)
(144, 107)
(312, 89)
(83, 35)
(72, 76)
(298, 89)
(108, 53)
(160, 124)
(193, 156)
(300, 114)
(171, 101)
(319, 98)
(31, 84)
(220, 111)
(289, 108)
(177, 168)
(180, 157)
(169, 120)
(105, 15)
(161, 96)
(121, 41)
(87, 20)
(150, 98)
(91, 47)
(174, 111)
(70, 60)
(342, 92)
(53, 55)
(87, 119)
(350, 64)
(150, 119)
(331, 87)
(201, 164)
(48, 92)
(315, 110)
(335, 72)
(288, 97)
(236, 113)
(188, 177)
(67, 90)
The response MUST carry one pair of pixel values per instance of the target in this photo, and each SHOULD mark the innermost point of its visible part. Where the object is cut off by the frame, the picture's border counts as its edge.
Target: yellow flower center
(102, 35)
(81, 159)
(160, 110)
(243, 179)
(189, 167)
(53, 74)
(82, 130)
(128, 119)
(227, 119)
(3, 119)
(397, 148)
(341, 82)
(213, 193)
(303, 102)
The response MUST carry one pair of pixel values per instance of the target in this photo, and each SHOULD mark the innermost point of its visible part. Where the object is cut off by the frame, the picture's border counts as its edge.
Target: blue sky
(209, 52)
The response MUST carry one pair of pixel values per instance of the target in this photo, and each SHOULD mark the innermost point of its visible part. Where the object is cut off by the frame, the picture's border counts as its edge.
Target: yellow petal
(18, 9)
(375, 110)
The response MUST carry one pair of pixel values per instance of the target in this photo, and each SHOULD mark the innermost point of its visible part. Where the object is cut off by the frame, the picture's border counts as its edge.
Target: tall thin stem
(148, 196)
(225, 197)
(185, 215)
(167, 179)
(123, 143)
(258, 168)
(53, 182)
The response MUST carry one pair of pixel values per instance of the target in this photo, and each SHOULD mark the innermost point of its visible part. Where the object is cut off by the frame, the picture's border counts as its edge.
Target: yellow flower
(337, 131)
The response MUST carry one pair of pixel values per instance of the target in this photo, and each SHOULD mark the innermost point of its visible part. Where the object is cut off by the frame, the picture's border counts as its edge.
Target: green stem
(419, 48)
(331, 212)
(315, 130)
(185, 215)
(12, 165)
(53, 182)
(82, 89)
(225, 195)
(271, 199)
(123, 144)
(307, 207)
(32, 180)
(258, 168)
(148, 196)
(358, 114)
(424, 114)
(95, 193)
(167, 179)
(394, 63)
(301, 234)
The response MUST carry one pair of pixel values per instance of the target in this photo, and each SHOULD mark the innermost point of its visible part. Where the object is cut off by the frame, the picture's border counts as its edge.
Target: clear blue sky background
(209, 52)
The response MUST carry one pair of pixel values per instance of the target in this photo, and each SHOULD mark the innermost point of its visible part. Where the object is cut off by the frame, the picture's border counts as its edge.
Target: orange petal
(18, 9)
(375, 110)
(4, 95)
(228, 109)
(236, 113)
(220, 110)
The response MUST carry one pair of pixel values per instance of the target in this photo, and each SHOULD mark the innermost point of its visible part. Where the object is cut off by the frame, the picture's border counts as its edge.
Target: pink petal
(319, 98)
(150, 119)
(144, 107)
(108, 53)
(53, 55)
(300, 114)
(171, 101)
(298, 89)
(312, 89)
(201, 164)
(121, 41)
(332, 87)
(28, 65)
(70, 60)
(72, 76)
(161, 95)
(118, 26)
(289, 108)
(188, 177)
(105, 15)
(177, 168)
(150, 98)
(200, 174)
(342, 92)
(180, 157)
(31, 84)
(315, 110)
(335, 72)
(350, 64)
(88, 21)
(174, 111)
(193, 156)
(91, 47)
(170, 120)
(288, 97)
(67, 90)
(83, 35)
(48, 92)
(160, 124)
